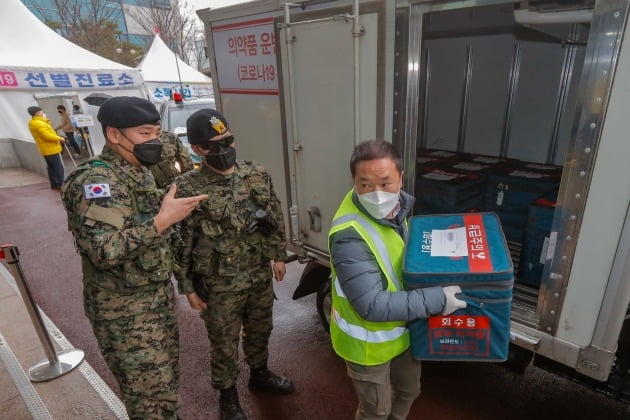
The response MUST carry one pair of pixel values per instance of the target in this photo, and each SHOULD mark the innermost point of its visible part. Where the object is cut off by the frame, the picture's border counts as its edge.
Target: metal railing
(57, 363)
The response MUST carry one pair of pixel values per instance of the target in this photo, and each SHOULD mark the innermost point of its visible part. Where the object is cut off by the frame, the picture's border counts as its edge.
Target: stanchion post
(56, 363)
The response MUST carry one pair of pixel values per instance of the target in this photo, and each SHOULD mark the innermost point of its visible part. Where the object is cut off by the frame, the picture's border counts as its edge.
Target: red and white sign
(246, 56)
(459, 335)
(478, 249)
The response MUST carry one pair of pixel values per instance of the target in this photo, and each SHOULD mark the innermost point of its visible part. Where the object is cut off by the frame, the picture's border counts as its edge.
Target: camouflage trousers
(229, 312)
(142, 351)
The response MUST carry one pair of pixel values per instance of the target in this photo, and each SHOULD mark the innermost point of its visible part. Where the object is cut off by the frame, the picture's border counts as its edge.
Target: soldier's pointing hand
(174, 209)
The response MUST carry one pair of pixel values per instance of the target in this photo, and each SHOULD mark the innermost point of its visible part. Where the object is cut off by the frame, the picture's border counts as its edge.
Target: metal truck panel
(608, 194)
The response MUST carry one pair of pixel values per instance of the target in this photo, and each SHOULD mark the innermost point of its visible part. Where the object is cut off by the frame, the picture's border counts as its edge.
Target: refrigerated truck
(539, 81)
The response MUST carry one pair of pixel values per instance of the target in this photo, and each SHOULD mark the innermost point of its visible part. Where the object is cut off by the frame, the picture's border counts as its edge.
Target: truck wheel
(324, 304)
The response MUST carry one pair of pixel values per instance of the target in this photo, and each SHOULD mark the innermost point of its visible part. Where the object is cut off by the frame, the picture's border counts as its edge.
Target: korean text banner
(57, 79)
(246, 56)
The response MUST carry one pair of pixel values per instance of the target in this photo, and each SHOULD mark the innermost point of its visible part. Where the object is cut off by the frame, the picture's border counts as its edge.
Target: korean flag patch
(91, 191)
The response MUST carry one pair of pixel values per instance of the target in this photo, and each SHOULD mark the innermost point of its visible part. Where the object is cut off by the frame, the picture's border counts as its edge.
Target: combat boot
(229, 407)
(262, 379)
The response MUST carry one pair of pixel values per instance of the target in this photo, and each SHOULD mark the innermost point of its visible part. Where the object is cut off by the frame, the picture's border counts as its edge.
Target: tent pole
(181, 87)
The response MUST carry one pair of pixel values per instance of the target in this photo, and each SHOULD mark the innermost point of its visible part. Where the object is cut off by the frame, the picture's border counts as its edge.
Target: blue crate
(478, 260)
(443, 191)
(510, 191)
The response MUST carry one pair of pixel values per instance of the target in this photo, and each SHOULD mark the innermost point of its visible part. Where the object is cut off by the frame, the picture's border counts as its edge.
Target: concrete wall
(8, 157)
(26, 155)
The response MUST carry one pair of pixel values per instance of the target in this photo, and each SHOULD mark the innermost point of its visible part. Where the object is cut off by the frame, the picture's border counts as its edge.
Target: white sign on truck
(246, 57)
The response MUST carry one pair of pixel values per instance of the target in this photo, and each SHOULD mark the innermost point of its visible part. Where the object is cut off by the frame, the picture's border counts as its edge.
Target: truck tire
(324, 304)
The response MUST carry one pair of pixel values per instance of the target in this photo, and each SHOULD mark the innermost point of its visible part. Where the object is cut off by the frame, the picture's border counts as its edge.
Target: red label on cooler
(477, 242)
(464, 335)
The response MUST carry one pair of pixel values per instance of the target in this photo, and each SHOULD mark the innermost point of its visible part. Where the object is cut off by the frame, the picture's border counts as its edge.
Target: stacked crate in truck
(478, 165)
(510, 191)
(536, 243)
(470, 251)
(424, 156)
(442, 189)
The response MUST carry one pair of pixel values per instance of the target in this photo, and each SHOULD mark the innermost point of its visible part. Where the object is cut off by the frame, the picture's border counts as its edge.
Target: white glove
(452, 303)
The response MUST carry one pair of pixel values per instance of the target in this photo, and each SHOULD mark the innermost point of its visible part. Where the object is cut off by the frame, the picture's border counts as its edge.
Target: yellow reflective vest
(354, 338)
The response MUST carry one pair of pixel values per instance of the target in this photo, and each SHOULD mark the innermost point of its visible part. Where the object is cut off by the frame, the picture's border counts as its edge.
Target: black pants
(73, 142)
(55, 170)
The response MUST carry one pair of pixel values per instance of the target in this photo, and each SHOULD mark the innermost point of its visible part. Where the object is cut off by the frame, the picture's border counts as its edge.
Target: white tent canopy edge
(39, 67)
(164, 72)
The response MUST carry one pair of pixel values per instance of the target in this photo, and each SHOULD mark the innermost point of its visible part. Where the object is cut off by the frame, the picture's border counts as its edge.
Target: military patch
(217, 125)
(91, 191)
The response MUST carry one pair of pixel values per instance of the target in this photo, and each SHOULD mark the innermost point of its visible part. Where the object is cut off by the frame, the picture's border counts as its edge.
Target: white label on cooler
(500, 198)
(543, 252)
(440, 176)
(449, 243)
(485, 159)
(469, 166)
(553, 240)
(441, 153)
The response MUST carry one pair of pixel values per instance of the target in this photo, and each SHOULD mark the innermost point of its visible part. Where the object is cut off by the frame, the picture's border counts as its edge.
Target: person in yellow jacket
(49, 144)
(370, 308)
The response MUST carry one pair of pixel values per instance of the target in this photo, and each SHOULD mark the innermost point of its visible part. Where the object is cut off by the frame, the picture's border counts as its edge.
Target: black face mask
(148, 153)
(222, 159)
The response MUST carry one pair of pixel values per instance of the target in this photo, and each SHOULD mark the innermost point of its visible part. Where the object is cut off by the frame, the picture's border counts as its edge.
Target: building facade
(127, 15)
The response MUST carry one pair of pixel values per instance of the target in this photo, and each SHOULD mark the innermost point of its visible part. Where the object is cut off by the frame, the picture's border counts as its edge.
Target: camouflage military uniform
(233, 264)
(173, 151)
(128, 296)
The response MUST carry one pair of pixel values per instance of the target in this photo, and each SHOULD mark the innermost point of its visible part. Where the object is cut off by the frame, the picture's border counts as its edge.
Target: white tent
(40, 67)
(162, 71)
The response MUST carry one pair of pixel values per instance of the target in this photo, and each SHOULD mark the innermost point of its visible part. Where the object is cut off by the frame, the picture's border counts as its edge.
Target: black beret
(32, 110)
(127, 111)
(205, 124)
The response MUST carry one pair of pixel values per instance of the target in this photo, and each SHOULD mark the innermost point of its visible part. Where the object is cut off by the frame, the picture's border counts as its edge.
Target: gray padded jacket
(365, 286)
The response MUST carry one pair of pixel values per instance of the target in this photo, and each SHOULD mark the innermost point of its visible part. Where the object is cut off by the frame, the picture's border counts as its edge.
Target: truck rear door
(317, 83)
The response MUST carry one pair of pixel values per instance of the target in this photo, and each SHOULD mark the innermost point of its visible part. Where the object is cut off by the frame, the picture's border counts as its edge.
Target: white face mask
(379, 203)
(44, 115)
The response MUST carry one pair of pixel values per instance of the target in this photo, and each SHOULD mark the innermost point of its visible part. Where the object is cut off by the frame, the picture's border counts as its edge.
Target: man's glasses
(214, 145)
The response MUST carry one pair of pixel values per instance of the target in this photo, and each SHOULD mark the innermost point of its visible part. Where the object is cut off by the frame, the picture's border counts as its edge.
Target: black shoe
(229, 407)
(265, 380)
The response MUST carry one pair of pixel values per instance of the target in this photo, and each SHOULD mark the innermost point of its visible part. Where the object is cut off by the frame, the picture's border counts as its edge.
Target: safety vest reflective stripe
(376, 238)
(360, 333)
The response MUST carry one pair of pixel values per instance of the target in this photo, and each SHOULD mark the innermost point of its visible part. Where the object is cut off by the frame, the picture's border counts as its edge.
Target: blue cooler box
(442, 191)
(470, 251)
(510, 191)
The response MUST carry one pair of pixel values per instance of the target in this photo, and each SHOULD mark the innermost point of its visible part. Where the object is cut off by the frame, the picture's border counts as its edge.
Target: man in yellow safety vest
(370, 308)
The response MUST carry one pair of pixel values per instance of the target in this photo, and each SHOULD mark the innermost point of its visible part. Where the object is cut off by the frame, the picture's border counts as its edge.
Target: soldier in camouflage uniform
(121, 226)
(175, 160)
(223, 263)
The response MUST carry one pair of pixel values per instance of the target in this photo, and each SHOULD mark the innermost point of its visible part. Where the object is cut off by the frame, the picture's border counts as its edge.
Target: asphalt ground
(33, 218)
